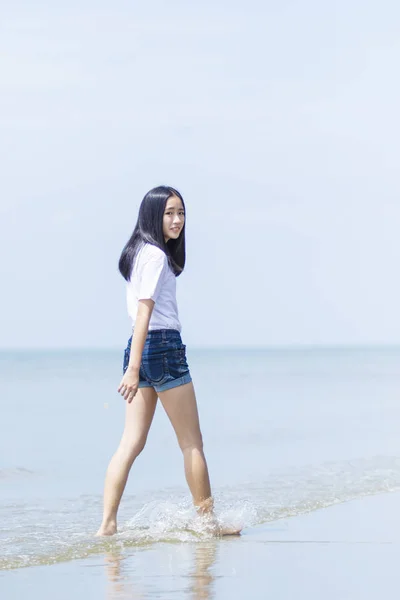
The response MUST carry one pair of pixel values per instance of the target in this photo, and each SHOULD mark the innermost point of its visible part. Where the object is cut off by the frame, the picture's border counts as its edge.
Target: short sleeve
(151, 275)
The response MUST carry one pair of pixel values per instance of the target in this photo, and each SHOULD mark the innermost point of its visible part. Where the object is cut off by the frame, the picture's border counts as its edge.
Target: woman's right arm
(151, 269)
(130, 381)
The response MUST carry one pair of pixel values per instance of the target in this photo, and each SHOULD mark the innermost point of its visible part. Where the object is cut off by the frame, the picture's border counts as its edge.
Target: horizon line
(327, 346)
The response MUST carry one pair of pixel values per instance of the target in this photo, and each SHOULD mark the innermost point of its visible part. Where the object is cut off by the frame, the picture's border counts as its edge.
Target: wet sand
(343, 552)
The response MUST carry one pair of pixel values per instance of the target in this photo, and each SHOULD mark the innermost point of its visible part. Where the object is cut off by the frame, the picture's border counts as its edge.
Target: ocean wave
(46, 534)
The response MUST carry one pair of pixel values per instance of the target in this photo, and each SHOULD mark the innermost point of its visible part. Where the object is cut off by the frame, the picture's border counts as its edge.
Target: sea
(287, 432)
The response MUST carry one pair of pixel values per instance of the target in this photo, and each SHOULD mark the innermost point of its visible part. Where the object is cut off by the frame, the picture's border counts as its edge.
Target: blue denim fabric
(164, 365)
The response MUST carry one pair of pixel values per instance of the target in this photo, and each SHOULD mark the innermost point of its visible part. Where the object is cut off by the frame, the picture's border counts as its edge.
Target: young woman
(155, 363)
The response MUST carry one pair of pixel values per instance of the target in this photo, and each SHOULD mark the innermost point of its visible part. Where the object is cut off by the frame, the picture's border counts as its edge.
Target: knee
(189, 444)
(130, 449)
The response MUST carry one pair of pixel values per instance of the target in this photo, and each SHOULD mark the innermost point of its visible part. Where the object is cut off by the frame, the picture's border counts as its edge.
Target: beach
(303, 450)
(344, 552)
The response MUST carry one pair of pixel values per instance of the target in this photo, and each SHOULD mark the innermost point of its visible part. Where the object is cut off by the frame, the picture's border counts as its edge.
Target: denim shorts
(164, 364)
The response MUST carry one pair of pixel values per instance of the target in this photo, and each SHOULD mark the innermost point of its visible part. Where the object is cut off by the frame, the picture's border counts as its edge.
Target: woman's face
(174, 218)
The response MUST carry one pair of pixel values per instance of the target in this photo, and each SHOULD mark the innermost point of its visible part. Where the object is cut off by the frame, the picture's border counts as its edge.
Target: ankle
(108, 527)
(109, 521)
(205, 507)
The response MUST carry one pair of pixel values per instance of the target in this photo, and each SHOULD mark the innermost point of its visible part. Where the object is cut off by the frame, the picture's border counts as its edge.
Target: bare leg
(138, 418)
(181, 407)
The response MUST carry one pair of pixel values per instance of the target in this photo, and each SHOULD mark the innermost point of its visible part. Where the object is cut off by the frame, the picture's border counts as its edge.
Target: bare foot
(229, 531)
(218, 530)
(108, 529)
(205, 511)
(211, 525)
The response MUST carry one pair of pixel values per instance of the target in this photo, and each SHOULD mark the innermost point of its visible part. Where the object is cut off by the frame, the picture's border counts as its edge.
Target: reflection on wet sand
(203, 579)
(122, 582)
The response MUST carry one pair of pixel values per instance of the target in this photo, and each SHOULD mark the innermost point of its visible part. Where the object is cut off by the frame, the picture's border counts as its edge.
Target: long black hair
(149, 229)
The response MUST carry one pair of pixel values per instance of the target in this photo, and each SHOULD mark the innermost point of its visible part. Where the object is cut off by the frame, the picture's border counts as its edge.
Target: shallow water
(286, 432)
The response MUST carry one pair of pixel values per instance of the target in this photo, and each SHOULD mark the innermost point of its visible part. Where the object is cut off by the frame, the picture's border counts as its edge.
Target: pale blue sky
(279, 124)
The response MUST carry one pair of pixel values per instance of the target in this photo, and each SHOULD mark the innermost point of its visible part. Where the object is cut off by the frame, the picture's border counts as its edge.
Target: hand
(129, 384)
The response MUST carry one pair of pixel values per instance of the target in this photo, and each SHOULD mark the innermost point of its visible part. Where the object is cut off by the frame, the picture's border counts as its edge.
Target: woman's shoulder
(151, 252)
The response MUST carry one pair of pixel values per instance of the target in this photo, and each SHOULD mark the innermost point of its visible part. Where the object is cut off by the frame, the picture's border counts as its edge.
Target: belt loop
(164, 336)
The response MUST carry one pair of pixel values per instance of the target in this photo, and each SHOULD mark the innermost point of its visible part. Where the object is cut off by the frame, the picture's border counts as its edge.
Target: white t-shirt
(153, 279)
